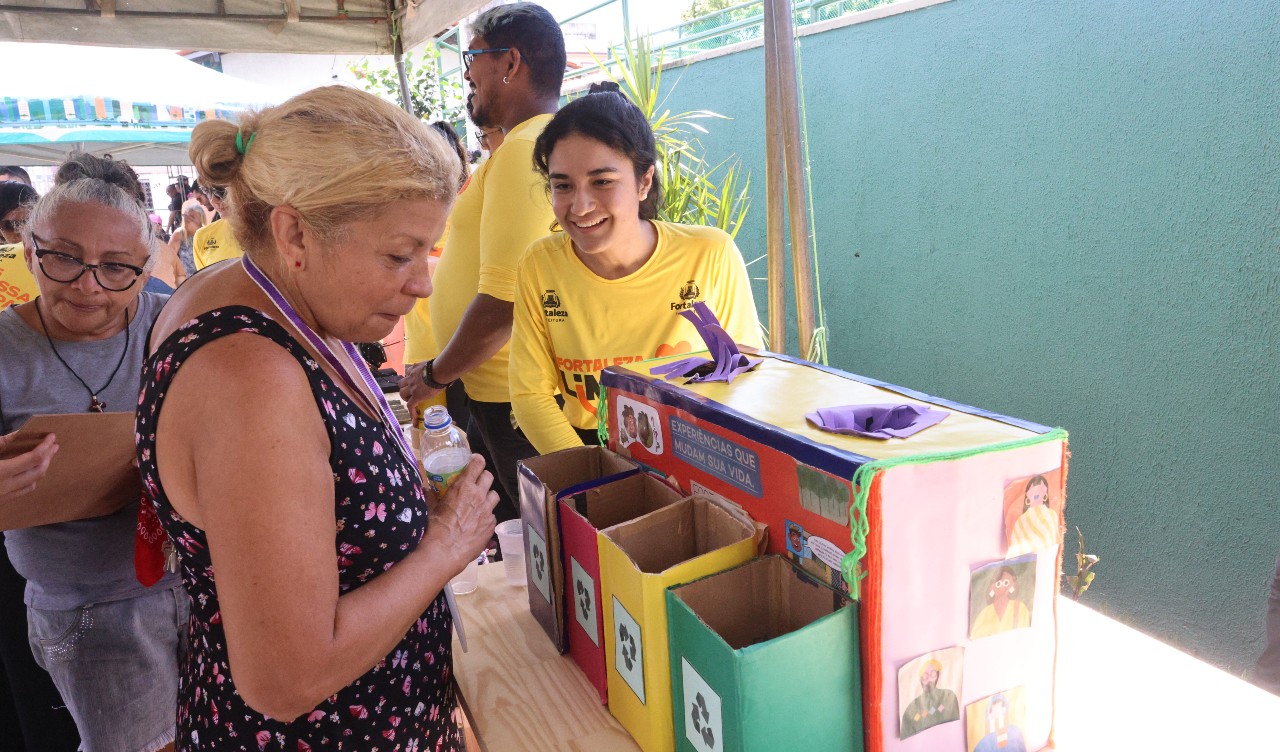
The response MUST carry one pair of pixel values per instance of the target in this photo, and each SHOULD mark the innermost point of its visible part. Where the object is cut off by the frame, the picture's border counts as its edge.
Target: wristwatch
(429, 378)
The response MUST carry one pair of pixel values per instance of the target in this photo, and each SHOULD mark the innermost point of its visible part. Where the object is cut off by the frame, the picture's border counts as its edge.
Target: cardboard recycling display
(582, 515)
(542, 479)
(639, 560)
(953, 547)
(764, 658)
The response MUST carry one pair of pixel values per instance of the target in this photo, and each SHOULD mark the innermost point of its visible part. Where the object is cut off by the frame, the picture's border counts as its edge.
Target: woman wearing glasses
(109, 643)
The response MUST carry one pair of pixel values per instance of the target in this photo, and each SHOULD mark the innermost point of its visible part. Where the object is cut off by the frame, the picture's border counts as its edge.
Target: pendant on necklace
(96, 405)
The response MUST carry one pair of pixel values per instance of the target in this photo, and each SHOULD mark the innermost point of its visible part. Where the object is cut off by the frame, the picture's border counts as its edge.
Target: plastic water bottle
(444, 449)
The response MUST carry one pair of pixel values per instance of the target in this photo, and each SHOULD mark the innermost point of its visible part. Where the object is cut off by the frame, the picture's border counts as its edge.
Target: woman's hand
(19, 474)
(461, 523)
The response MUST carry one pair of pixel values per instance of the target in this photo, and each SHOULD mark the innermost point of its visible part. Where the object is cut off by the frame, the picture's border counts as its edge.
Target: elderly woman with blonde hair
(314, 558)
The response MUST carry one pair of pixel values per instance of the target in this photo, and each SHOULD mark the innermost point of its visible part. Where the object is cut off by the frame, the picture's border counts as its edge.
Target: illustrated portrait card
(1001, 596)
(1032, 511)
(995, 723)
(929, 690)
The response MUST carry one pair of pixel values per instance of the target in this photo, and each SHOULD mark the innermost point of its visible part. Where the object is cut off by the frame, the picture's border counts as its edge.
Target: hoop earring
(506, 80)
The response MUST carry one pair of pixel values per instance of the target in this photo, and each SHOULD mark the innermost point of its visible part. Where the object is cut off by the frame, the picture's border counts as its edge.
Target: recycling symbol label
(584, 601)
(538, 562)
(628, 649)
(703, 725)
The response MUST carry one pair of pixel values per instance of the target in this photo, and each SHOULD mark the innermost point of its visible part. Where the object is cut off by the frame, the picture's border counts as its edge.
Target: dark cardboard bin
(542, 479)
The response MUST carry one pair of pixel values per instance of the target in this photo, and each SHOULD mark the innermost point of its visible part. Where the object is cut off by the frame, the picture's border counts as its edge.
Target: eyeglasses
(469, 56)
(63, 268)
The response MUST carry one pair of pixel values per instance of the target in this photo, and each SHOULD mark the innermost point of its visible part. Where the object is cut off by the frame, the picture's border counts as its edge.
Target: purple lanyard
(287, 310)
(388, 417)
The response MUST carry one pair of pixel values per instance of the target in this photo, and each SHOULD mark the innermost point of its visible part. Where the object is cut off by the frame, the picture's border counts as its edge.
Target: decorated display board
(952, 547)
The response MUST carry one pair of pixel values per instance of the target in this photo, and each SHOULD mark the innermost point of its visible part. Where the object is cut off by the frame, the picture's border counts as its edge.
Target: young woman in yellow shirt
(607, 288)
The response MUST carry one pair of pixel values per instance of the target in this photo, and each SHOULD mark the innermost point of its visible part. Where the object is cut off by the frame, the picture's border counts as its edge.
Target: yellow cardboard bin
(639, 560)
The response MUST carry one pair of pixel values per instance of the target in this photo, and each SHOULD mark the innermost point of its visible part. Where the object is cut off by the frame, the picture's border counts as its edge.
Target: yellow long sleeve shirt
(571, 323)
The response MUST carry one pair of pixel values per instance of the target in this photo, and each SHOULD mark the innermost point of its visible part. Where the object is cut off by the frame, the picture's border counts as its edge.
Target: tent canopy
(138, 105)
(356, 27)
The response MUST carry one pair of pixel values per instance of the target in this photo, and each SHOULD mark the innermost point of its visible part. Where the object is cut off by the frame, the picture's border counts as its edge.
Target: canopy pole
(779, 14)
(397, 52)
(775, 206)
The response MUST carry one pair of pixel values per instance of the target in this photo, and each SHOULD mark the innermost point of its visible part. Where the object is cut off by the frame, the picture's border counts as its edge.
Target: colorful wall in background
(1070, 213)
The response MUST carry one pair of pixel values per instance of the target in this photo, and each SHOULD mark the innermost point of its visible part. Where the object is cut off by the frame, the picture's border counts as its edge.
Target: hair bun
(600, 87)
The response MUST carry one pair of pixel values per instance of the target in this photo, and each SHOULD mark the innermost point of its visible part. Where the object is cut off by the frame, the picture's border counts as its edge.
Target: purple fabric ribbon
(877, 421)
(726, 361)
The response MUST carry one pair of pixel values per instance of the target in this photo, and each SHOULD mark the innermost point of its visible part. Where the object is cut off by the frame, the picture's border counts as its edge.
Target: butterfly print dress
(406, 702)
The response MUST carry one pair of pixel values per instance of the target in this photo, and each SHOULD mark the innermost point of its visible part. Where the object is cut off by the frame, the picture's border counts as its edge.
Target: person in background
(608, 287)
(175, 207)
(490, 138)
(315, 560)
(14, 174)
(215, 241)
(15, 204)
(515, 65)
(109, 643)
(182, 242)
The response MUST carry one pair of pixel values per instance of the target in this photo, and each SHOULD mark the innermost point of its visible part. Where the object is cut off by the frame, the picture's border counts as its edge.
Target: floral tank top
(405, 702)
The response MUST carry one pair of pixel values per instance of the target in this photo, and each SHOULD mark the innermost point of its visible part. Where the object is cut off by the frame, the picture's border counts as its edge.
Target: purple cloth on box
(877, 421)
(726, 361)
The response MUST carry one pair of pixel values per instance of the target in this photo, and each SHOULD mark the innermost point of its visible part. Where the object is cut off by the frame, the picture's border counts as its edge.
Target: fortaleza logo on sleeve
(689, 293)
(551, 306)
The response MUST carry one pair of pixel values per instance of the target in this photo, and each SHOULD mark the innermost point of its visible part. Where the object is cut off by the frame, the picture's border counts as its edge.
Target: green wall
(1067, 212)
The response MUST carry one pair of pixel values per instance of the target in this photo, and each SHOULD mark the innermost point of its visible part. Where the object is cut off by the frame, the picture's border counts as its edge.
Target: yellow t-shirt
(571, 323)
(16, 283)
(213, 243)
(501, 211)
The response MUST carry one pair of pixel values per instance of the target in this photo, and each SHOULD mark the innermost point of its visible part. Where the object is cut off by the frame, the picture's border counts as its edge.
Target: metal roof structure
(358, 27)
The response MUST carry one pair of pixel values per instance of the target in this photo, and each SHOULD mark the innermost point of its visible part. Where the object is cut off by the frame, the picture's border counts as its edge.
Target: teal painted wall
(1070, 213)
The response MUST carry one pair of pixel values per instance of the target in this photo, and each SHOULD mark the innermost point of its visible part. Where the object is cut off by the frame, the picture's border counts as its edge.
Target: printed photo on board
(639, 425)
(1032, 509)
(995, 724)
(1001, 596)
(929, 690)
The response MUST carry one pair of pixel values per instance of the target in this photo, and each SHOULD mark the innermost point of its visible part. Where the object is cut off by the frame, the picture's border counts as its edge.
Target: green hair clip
(241, 146)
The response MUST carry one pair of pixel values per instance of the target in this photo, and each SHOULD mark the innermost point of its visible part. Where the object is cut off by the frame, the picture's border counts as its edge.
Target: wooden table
(1118, 689)
(519, 693)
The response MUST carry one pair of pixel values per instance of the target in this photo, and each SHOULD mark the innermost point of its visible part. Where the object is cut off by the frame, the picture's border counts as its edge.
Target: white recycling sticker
(628, 649)
(584, 601)
(538, 562)
(703, 725)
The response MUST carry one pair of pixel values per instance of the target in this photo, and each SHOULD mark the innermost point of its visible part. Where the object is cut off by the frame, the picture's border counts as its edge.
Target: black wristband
(429, 378)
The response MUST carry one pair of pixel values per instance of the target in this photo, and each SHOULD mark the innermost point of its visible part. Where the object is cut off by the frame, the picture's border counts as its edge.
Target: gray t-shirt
(72, 564)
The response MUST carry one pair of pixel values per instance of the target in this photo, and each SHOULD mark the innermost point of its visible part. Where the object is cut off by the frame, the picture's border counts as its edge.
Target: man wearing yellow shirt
(215, 242)
(515, 66)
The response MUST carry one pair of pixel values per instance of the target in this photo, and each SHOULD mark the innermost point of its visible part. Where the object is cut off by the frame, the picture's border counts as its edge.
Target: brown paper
(91, 475)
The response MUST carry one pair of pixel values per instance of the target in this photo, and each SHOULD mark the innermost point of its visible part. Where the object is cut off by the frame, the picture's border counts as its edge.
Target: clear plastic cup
(511, 541)
(467, 580)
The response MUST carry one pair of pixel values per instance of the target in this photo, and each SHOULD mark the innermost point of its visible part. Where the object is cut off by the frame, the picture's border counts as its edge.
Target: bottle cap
(436, 417)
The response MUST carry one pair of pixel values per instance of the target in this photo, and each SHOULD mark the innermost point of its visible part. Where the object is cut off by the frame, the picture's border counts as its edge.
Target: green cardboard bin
(764, 658)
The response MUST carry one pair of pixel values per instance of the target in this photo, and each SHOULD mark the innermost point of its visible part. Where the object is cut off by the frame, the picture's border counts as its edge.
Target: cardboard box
(582, 515)
(764, 658)
(542, 480)
(936, 517)
(639, 560)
